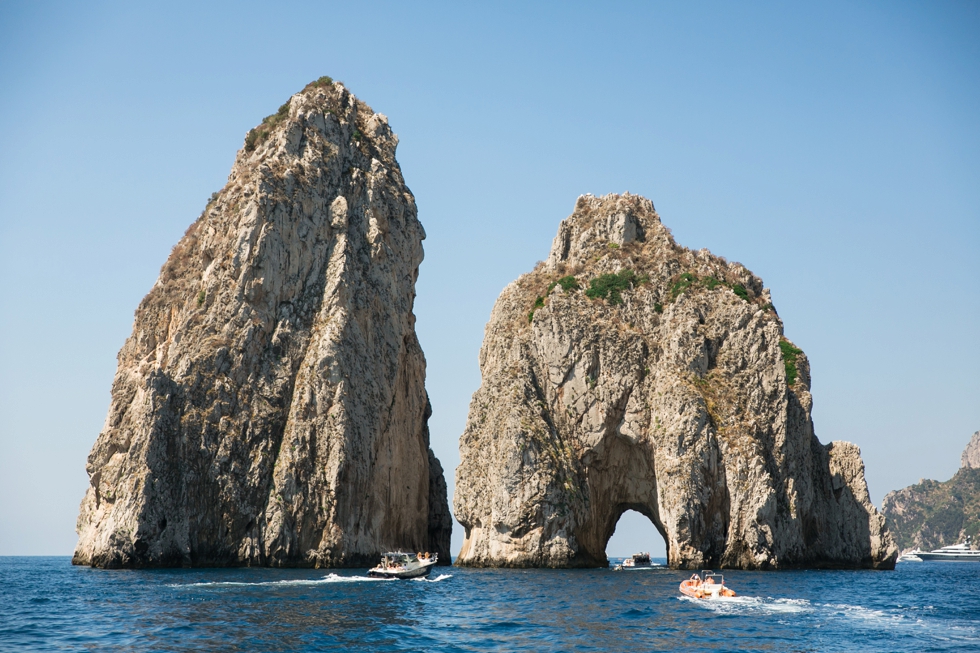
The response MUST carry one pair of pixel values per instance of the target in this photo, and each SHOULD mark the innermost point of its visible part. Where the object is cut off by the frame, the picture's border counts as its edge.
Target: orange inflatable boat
(708, 585)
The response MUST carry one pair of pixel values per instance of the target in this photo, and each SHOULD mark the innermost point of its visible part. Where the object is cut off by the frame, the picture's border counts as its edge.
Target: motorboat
(707, 585)
(955, 553)
(398, 564)
(911, 556)
(636, 561)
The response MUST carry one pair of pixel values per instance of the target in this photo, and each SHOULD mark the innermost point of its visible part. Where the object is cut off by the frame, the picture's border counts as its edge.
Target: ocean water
(48, 605)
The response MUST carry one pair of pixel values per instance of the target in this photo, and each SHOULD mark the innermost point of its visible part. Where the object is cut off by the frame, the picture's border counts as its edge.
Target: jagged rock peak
(629, 373)
(971, 455)
(269, 407)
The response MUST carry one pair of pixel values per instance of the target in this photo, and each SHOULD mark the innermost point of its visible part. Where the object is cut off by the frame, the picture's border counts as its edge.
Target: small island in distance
(934, 514)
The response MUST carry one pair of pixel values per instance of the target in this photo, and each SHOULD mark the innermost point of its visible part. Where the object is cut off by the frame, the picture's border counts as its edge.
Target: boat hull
(963, 552)
(652, 565)
(947, 557)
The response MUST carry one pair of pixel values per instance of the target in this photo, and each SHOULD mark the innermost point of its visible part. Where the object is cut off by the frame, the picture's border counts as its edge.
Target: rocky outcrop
(933, 514)
(627, 372)
(971, 455)
(269, 407)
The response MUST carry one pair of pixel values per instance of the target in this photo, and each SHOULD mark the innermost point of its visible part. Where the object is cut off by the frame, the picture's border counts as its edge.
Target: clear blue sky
(833, 148)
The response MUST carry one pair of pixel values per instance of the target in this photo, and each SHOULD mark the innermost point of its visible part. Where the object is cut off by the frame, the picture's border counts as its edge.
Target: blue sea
(46, 604)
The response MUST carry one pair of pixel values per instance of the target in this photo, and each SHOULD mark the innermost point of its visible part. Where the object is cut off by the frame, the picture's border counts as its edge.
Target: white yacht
(955, 553)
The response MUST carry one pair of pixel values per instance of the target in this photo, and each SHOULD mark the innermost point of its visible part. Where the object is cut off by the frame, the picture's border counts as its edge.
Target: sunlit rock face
(627, 372)
(269, 407)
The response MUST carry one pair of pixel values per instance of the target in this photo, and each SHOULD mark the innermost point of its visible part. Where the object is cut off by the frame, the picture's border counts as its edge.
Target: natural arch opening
(634, 532)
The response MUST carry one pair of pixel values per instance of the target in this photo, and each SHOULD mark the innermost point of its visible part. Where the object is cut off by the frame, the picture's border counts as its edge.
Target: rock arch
(625, 481)
(629, 372)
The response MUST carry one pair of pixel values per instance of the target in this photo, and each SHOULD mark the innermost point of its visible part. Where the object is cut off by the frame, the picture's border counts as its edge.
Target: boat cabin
(396, 559)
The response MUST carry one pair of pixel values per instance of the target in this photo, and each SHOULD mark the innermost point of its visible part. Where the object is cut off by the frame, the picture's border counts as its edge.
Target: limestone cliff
(932, 514)
(627, 372)
(269, 407)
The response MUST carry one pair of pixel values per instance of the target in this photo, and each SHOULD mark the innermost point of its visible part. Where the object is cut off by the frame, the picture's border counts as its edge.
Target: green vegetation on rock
(566, 283)
(320, 83)
(260, 133)
(683, 282)
(789, 359)
(689, 280)
(611, 286)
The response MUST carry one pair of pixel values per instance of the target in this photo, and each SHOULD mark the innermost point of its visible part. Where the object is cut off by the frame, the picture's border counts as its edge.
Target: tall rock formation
(627, 372)
(932, 514)
(269, 407)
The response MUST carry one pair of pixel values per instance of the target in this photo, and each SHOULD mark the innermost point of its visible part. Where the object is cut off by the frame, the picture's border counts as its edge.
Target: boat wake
(751, 605)
(914, 622)
(328, 579)
(872, 618)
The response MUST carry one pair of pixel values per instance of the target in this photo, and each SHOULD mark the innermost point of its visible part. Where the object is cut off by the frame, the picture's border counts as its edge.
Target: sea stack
(269, 407)
(627, 372)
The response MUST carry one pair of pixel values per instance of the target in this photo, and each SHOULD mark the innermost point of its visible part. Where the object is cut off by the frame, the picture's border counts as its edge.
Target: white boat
(955, 553)
(636, 561)
(911, 556)
(398, 564)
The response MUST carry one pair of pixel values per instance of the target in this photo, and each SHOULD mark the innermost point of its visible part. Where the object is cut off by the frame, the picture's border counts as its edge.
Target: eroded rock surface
(269, 407)
(670, 391)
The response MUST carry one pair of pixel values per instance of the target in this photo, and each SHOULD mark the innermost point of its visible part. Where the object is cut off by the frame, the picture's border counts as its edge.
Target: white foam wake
(330, 578)
(751, 605)
(438, 578)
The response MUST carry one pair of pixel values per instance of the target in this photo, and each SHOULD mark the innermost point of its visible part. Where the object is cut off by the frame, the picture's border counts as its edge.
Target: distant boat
(909, 557)
(636, 561)
(955, 553)
(398, 564)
